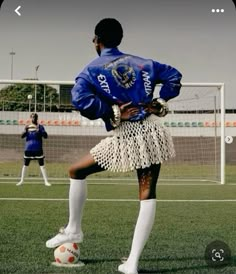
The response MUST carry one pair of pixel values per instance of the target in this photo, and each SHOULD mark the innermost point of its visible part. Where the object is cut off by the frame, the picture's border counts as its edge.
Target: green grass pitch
(188, 218)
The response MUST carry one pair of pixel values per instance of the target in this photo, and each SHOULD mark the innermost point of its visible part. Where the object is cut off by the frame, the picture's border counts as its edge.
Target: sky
(57, 36)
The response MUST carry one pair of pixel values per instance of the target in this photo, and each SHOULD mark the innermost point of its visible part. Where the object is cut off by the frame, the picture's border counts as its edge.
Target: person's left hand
(127, 111)
(157, 106)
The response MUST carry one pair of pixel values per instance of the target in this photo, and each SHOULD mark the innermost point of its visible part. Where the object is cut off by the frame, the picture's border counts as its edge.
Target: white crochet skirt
(135, 145)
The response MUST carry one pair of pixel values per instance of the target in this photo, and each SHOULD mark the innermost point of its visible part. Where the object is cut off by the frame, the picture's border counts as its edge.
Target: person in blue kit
(34, 134)
(118, 88)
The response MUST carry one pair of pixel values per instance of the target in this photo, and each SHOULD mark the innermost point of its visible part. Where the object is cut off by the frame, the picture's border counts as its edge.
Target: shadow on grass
(193, 269)
(97, 261)
(158, 270)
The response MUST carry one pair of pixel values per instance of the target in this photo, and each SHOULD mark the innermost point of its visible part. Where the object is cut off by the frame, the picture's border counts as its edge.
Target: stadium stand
(200, 124)
(228, 124)
(180, 124)
(187, 124)
(58, 122)
(166, 124)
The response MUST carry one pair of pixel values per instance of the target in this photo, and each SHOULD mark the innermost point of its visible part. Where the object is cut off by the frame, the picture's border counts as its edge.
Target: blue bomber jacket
(118, 78)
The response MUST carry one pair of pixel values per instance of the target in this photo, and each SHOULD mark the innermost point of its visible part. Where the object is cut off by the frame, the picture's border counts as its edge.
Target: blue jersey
(119, 78)
(34, 135)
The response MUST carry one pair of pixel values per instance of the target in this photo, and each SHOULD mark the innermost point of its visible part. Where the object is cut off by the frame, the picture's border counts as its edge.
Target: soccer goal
(195, 120)
(197, 123)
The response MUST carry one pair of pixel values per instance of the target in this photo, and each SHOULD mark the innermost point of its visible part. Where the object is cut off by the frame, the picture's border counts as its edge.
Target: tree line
(16, 97)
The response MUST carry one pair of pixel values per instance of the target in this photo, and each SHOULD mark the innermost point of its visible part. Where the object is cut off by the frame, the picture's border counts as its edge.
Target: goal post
(196, 121)
(197, 117)
(222, 118)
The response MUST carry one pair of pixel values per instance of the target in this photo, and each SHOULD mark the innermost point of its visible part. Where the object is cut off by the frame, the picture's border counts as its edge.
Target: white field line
(126, 184)
(60, 180)
(106, 179)
(120, 200)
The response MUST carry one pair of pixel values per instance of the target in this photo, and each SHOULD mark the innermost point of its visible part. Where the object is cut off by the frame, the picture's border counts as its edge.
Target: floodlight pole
(12, 53)
(35, 88)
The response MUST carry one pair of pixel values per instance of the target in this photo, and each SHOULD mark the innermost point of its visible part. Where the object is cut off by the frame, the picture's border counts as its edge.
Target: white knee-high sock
(142, 231)
(23, 172)
(44, 174)
(77, 198)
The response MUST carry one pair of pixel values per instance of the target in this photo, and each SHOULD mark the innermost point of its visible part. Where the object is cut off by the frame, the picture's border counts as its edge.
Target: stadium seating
(64, 122)
(57, 122)
(187, 124)
(42, 122)
(206, 124)
(213, 124)
(75, 123)
(180, 124)
(200, 124)
(228, 124)
(8, 122)
(166, 124)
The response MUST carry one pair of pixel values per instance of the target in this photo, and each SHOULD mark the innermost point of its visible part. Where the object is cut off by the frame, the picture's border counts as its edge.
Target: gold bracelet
(115, 122)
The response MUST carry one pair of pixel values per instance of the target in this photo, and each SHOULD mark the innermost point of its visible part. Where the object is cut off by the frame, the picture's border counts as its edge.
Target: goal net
(195, 120)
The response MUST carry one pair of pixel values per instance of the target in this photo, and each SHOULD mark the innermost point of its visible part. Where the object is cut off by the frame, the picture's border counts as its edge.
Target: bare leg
(84, 167)
(147, 178)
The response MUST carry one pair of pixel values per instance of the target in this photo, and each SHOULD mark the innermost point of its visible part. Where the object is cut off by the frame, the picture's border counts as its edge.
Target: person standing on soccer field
(118, 88)
(34, 134)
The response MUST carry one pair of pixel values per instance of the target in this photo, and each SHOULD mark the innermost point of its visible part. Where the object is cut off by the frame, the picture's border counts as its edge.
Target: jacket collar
(110, 51)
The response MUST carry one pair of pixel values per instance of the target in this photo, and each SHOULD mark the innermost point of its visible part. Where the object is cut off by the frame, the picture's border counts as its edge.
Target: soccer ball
(67, 253)
(32, 127)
